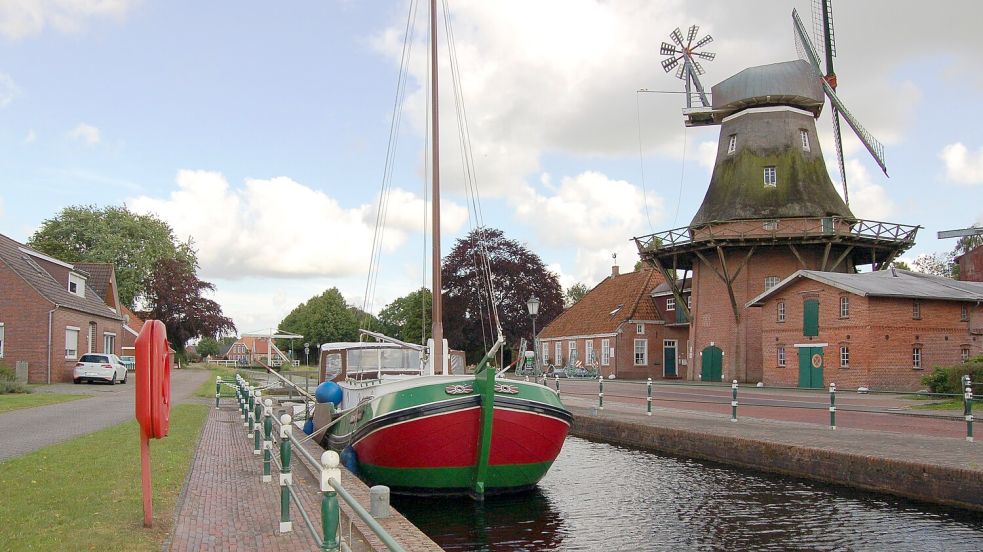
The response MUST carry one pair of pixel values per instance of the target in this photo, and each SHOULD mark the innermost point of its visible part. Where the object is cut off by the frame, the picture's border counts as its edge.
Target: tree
(323, 319)
(133, 243)
(174, 296)
(208, 346)
(574, 293)
(939, 264)
(408, 317)
(518, 273)
(900, 265)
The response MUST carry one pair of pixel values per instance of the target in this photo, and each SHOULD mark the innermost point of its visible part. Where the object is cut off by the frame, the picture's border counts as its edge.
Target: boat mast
(437, 329)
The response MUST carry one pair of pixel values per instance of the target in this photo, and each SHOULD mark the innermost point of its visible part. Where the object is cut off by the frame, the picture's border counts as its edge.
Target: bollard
(379, 501)
(832, 406)
(648, 411)
(256, 414)
(600, 392)
(733, 402)
(968, 409)
(250, 413)
(329, 499)
(267, 439)
(218, 389)
(286, 428)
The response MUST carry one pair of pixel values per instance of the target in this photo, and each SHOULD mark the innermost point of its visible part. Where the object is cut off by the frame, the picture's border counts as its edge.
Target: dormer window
(771, 177)
(76, 284)
(804, 136)
(670, 304)
(732, 144)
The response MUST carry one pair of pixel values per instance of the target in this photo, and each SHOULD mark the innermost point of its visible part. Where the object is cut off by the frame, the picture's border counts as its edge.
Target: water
(608, 498)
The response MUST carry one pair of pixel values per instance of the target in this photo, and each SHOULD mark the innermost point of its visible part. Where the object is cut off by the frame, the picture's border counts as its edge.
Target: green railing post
(648, 411)
(329, 500)
(832, 406)
(286, 479)
(251, 413)
(256, 414)
(600, 392)
(267, 439)
(557, 380)
(968, 408)
(218, 390)
(733, 402)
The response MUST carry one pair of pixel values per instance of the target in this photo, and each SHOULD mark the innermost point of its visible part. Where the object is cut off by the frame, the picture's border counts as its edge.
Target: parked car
(100, 367)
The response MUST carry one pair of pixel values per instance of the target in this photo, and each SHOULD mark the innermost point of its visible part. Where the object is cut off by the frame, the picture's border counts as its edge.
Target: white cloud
(867, 200)
(23, 18)
(31, 137)
(86, 133)
(707, 154)
(275, 227)
(8, 90)
(962, 165)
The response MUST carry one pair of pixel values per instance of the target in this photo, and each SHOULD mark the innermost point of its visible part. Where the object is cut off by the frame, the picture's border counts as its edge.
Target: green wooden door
(811, 367)
(669, 357)
(711, 363)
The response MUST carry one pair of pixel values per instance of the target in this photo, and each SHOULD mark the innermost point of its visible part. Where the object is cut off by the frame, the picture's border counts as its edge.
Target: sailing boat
(409, 417)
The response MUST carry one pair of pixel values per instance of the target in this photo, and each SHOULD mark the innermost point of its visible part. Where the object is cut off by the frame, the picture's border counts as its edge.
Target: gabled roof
(896, 283)
(612, 302)
(663, 288)
(28, 264)
(100, 278)
(133, 323)
(223, 350)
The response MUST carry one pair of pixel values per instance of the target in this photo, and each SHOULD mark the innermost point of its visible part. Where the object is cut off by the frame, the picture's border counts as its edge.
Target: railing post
(832, 406)
(968, 408)
(733, 402)
(256, 414)
(648, 406)
(329, 499)
(600, 392)
(250, 413)
(286, 479)
(218, 390)
(267, 439)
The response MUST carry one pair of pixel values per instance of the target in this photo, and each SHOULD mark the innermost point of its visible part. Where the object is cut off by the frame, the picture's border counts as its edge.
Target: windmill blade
(693, 31)
(677, 37)
(703, 41)
(681, 72)
(705, 55)
(804, 45)
(698, 67)
(668, 50)
(838, 140)
(669, 63)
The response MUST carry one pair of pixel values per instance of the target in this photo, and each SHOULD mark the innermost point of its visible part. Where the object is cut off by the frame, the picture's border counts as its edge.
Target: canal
(604, 497)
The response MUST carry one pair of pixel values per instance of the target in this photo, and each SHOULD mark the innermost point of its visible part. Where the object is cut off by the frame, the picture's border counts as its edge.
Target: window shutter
(810, 318)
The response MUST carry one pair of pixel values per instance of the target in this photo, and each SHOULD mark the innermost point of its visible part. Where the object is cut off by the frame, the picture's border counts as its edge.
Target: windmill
(691, 69)
(808, 53)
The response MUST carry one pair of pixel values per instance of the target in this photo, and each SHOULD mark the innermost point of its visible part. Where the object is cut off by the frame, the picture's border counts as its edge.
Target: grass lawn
(16, 401)
(84, 494)
(954, 403)
(207, 389)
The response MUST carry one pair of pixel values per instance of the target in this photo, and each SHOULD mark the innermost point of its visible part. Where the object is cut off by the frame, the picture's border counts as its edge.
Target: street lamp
(533, 305)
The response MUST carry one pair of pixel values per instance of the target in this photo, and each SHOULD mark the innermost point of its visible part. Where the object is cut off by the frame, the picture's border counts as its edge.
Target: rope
(641, 162)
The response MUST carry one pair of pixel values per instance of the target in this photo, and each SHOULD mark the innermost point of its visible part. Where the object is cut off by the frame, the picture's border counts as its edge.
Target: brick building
(971, 265)
(50, 315)
(254, 349)
(620, 328)
(881, 330)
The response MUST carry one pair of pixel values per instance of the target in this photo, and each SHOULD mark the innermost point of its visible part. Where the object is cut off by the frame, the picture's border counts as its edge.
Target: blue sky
(260, 130)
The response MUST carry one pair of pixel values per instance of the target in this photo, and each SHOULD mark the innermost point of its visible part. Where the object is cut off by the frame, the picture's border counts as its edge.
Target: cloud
(86, 133)
(961, 165)
(275, 227)
(23, 18)
(8, 90)
(31, 137)
(867, 200)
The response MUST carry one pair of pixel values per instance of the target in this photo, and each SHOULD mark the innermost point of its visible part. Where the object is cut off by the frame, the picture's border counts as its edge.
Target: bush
(948, 379)
(9, 383)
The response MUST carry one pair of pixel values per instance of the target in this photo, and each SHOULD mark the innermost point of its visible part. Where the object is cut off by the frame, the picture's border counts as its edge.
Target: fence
(258, 420)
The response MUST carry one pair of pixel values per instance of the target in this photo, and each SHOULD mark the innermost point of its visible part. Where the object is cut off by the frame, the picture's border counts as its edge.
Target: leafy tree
(322, 319)
(174, 296)
(574, 293)
(901, 265)
(208, 346)
(408, 318)
(939, 264)
(518, 273)
(133, 243)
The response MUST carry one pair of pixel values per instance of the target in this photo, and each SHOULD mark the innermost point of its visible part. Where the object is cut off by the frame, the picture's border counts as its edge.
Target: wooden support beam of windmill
(675, 288)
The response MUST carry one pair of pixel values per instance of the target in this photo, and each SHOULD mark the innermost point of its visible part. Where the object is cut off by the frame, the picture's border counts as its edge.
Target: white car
(100, 367)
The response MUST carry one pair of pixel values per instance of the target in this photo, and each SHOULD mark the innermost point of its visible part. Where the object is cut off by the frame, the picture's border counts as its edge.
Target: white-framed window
(781, 356)
(109, 342)
(671, 304)
(71, 342)
(641, 352)
(558, 348)
(589, 351)
(770, 282)
(1, 339)
(916, 357)
(916, 309)
(689, 301)
(964, 312)
(963, 353)
(771, 177)
(844, 307)
(571, 351)
(76, 284)
(546, 352)
(91, 338)
(605, 352)
(770, 225)
(804, 137)
(732, 144)
(639, 329)
(781, 311)
(844, 356)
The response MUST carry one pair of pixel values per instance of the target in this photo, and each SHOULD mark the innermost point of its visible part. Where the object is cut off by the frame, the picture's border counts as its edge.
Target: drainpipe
(50, 318)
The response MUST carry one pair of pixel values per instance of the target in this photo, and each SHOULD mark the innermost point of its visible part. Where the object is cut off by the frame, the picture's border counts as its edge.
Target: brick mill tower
(770, 209)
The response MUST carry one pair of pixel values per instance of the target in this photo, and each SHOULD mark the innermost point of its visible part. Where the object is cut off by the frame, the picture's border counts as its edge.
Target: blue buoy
(309, 426)
(350, 460)
(328, 392)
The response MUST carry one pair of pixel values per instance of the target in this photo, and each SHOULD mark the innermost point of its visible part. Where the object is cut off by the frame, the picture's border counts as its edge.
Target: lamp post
(533, 305)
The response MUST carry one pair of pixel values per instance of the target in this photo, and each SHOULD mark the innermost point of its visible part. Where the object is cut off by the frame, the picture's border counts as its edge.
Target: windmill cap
(791, 83)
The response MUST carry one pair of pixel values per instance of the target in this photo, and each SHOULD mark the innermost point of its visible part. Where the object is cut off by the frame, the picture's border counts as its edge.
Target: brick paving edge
(166, 546)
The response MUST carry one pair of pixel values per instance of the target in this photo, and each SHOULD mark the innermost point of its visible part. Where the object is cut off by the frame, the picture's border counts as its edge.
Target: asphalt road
(28, 429)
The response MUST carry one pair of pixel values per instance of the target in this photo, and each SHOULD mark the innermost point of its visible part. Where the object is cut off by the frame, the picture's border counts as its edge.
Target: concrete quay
(939, 470)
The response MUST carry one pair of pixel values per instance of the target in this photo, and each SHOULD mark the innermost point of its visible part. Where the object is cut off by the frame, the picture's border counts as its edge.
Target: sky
(259, 130)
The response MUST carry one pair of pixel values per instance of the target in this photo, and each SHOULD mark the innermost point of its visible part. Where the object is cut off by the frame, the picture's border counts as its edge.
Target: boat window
(332, 366)
(372, 360)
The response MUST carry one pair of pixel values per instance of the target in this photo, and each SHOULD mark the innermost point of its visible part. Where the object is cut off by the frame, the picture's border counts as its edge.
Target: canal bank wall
(931, 469)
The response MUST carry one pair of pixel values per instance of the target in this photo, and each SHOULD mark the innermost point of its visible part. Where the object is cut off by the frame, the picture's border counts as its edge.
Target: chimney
(614, 266)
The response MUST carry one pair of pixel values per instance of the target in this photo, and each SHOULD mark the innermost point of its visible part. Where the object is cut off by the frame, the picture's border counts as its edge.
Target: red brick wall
(622, 363)
(24, 313)
(971, 265)
(61, 367)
